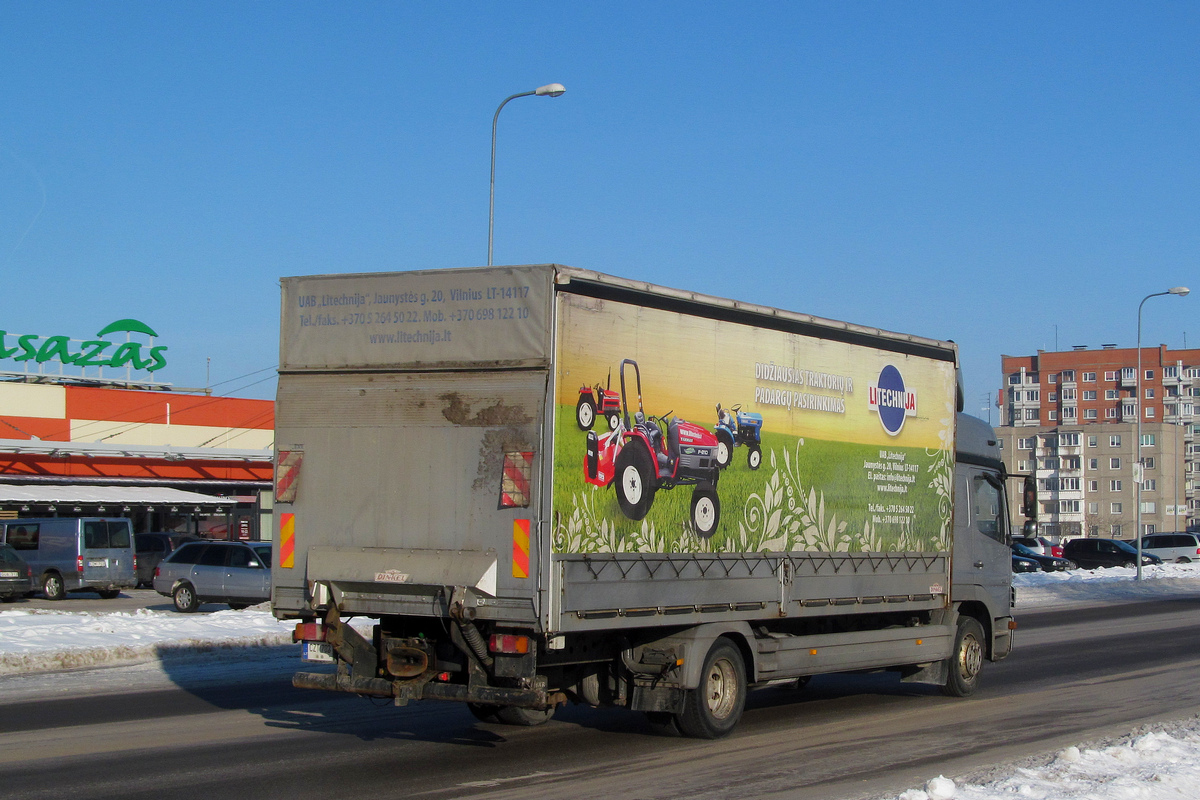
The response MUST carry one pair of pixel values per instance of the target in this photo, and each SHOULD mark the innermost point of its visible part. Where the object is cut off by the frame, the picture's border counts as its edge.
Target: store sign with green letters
(97, 352)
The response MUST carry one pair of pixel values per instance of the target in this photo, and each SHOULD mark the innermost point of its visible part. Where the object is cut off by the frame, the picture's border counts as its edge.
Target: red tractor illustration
(598, 398)
(644, 454)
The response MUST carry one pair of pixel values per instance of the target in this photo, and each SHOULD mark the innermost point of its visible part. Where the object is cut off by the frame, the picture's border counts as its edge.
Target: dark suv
(152, 548)
(237, 573)
(1093, 553)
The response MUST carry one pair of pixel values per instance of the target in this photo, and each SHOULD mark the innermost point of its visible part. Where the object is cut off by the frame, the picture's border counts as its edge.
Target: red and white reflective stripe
(518, 472)
(287, 473)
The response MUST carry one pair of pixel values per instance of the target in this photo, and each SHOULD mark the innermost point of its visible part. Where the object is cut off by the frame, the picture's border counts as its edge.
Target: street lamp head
(1182, 291)
(554, 90)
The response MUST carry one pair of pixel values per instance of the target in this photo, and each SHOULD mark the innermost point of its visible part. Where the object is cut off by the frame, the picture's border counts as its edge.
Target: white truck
(443, 468)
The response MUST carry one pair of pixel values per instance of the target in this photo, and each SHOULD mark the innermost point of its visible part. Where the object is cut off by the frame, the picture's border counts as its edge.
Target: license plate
(317, 651)
(10, 574)
(97, 562)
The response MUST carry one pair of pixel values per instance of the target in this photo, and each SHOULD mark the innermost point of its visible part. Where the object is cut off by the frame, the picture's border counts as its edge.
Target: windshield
(1023, 550)
(1128, 548)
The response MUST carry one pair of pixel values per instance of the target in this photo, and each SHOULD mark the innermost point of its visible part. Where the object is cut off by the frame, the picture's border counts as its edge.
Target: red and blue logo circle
(889, 398)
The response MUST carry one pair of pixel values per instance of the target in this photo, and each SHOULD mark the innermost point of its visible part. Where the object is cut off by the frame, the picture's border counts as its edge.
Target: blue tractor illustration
(736, 427)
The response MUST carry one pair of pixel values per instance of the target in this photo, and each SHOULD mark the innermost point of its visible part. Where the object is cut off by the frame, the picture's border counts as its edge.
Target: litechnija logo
(891, 400)
(98, 352)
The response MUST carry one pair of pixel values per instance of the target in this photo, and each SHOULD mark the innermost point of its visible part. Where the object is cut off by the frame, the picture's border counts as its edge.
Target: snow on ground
(1161, 761)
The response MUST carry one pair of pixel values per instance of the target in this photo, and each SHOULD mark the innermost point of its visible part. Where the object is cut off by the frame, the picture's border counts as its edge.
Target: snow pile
(1113, 585)
(38, 640)
(1159, 765)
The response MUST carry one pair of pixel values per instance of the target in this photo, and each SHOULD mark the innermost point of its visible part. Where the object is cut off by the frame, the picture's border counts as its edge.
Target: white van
(1178, 547)
(70, 554)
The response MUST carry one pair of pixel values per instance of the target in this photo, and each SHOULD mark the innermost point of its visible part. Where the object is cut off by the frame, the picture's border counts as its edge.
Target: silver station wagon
(237, 573)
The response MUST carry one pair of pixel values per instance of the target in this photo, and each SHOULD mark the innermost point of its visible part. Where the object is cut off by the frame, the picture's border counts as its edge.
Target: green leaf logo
(127, 326)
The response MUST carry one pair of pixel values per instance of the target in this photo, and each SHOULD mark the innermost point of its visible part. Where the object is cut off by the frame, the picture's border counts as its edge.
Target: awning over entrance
(114, 497)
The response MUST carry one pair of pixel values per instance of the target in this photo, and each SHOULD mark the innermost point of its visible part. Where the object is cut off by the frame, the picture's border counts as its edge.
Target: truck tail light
(508, 643)
(518, 474)
(157, 570)
(309, 632)
(135, 563)
(79, 564)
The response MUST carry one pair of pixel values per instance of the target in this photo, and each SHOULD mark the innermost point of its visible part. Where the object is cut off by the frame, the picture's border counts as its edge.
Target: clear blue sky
(1007, 175)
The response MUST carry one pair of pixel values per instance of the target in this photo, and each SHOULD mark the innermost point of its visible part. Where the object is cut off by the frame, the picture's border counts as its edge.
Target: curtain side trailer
(549, 485)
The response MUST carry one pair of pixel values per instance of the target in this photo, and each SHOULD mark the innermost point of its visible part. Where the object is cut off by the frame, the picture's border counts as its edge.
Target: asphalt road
(1075, 675)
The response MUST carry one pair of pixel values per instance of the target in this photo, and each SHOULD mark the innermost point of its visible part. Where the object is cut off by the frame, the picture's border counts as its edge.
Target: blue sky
(1006, 175)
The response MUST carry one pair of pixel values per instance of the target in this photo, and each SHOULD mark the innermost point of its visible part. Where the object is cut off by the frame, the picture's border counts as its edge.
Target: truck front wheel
(966, 660)
(754, 457)
(724, 448)
(635, 481)
(713, 708)
(706, 512)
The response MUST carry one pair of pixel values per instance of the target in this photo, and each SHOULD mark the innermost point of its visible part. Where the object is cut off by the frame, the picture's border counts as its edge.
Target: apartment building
(1071, 418)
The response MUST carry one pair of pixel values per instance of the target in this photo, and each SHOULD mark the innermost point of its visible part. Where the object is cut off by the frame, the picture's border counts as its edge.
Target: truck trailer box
(601, 466)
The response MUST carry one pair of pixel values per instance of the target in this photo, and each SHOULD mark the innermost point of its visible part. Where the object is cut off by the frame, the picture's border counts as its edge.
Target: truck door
(982, 554)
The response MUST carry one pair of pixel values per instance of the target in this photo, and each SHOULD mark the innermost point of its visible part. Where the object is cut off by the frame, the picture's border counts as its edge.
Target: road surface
(1075, 675)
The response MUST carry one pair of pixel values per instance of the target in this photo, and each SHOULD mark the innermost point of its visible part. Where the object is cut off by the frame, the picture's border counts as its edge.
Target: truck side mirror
(1029, 501)
(1029, 529)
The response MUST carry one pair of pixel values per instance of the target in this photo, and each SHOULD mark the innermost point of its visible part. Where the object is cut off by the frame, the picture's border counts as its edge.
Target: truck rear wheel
(724, 448)
(713, 708)
(585, 413)
(525, 717)
(634, 480)
(966, 660)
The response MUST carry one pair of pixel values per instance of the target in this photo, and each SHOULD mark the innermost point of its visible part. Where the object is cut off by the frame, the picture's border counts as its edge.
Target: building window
(1128, 409)
(1022, 466)
(1052, 415)
(1089, 413)
(1128, 373)
(1093, 463)
(1093, 508)
(1068, 394)
(1115, 530)
(1147, 439)
(1068, 484)
(1093, 441)
(1089, 377)
(1068, 412)
(1114, 463)
(1110, 413)
(1149, 374)
(1114, 441)
(1089, 394)
(1052, 377)
(1169, 410)
(1050, 463)
(1093, 486)
(1068, 506)
(1025, 444)
(1149, 412)
(1068, 439)
(1014, 379)
(1068, 376)
(1111, 394)
(1150, 393)
(1148, 506)
(1031, 413)
(1114, 486)
(1148, 463)
(1114, 508)
(1110, 375)
(1051, 397)
(1149, 485)
(1170, 372)
(1070, 462)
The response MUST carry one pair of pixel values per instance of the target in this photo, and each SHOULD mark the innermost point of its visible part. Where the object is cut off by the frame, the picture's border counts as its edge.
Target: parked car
(1093, 553)
(237, 573)
(1182, 548)
(69, 554)
(16, 577)
(1047, 562)
(152, 548)
(1023, 564)
(1040, 544)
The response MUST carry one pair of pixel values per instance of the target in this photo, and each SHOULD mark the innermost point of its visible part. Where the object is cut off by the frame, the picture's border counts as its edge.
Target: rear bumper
(403, 692)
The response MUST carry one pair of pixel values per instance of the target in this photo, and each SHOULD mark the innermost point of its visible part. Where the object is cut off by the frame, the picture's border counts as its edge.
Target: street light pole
(549, 90)
(1181, 291)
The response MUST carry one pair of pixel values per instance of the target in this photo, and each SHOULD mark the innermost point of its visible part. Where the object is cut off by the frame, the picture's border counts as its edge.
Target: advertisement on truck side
(735, 438)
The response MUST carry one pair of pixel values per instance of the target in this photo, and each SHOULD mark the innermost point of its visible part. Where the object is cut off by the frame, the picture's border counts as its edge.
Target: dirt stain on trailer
(509, 435)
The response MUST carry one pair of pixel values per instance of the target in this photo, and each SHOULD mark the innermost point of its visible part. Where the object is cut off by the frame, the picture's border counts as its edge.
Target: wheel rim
(721, 689)
(585, 415)
(755, 458)
(705, 516)
(722, 453)
(53, 586)
(970, 657)
(631, 485)
(183, 598)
